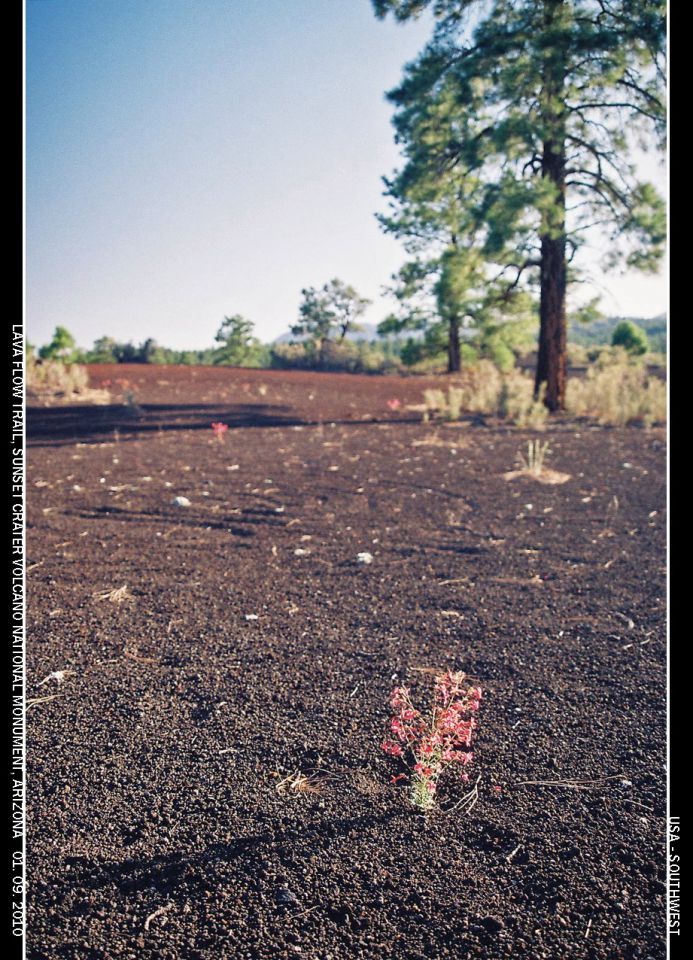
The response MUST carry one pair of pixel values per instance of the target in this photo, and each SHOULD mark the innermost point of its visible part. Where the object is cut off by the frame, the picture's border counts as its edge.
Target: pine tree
(544, 102)
(237, 345)
(328, 314)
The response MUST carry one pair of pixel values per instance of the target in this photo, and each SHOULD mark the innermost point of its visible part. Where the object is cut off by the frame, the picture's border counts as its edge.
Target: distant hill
(587, 334)
(369, 332)
(600, 331)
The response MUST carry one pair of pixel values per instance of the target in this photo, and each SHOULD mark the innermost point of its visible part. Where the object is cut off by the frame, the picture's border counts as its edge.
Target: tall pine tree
(545, 101)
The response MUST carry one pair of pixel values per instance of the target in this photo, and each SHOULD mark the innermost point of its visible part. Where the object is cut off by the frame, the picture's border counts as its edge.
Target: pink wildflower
(435, 742)
(219, 430)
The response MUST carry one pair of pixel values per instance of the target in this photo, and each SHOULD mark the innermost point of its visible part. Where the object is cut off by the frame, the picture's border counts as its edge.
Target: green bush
(631, 337)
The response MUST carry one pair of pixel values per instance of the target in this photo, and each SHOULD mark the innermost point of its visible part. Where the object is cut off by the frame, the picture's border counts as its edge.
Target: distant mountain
(600, 331)
(369, 332)
(587, 334)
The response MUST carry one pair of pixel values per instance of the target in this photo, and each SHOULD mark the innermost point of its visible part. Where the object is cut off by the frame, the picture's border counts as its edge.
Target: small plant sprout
(220, 430)
(536, 455)
(430, 745)
(534, 465)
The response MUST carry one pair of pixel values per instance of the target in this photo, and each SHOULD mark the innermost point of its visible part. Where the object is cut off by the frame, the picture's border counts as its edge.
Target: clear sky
(188, 159)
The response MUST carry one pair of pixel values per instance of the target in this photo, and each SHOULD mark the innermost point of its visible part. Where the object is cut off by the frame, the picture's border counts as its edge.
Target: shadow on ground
(67, 424)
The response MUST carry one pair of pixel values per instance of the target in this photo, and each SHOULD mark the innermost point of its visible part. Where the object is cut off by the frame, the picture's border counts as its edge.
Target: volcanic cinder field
(250, 645)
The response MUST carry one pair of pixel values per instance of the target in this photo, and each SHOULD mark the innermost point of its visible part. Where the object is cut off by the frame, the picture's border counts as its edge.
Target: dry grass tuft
(617, 391)
(483, 388)
(119, 595)
(301, 783)
(51, 381)
(533, 465)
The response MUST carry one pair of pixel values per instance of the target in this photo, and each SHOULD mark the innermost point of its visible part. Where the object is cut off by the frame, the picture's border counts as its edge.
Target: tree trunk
(454, 356)
(551, 360)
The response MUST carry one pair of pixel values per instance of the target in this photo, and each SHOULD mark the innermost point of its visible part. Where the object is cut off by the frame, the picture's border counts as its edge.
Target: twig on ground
(516, 850)
(57, 675)
(32, 703)
(468, 800)
(574, 782)
(303, 913)
(157, 913)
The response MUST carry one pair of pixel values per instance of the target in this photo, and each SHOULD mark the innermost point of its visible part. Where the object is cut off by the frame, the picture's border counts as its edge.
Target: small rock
(180, 502)
(285, 897)
(364, 557)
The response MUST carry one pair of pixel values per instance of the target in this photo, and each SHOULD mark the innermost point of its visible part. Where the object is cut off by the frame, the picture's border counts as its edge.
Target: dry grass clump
(55, 381)
(534, 465)
(118, 595)
(300, 783)
(483, 388)
(617, 391)
(438, 403)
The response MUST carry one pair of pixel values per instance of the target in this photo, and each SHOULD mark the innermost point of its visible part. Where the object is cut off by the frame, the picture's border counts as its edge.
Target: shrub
(345, 356)
(631, 337)
(52, 378)
(577, 354)
(618, 390)
(483, 388)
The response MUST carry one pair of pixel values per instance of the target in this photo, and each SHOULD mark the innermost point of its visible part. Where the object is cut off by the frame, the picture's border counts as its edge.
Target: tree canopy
(518, 122)
(237, 344)
(329, 314)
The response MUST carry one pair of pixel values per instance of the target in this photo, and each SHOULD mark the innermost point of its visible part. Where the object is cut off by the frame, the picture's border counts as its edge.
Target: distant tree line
(326, 333)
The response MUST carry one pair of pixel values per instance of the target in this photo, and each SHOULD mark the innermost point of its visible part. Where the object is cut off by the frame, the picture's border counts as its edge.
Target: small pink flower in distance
(219, 430)
(496, 789)
(394, 749)
(394, 404)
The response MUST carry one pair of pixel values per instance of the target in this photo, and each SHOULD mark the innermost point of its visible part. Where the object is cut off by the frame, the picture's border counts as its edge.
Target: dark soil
(153, 771)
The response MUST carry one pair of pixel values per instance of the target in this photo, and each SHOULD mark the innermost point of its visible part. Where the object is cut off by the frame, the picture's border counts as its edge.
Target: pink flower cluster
(219, 430)
(433, 743)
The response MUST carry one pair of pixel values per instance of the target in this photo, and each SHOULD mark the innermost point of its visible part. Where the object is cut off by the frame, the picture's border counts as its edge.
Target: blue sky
(188, 159)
